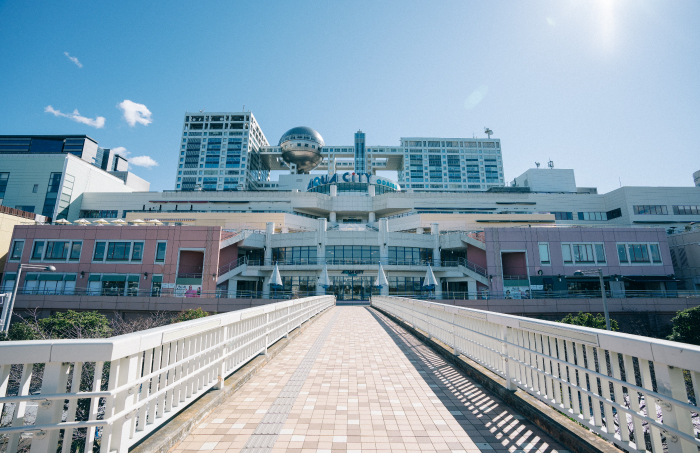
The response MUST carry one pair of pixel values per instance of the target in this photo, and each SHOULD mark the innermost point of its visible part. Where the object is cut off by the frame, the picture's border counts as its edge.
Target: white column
(266, 287)
(371, 189)
(471, 288)
(334, 190)
(435, 231)
(371, 218)
(332, 216)
(438, 288)
(420, 230)
(321, 241)
(383, 241)
(285, 230)
(232, 288)
(269, 231)
(331, 166)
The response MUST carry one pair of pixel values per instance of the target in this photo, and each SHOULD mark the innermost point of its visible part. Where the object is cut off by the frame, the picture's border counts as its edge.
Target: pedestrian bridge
(351, 378)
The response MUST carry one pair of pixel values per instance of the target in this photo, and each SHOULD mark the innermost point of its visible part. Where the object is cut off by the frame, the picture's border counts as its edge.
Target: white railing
(115, 391)
(596, 377)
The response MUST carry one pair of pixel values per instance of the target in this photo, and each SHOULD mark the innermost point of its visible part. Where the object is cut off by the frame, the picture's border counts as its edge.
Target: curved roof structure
(302, 132)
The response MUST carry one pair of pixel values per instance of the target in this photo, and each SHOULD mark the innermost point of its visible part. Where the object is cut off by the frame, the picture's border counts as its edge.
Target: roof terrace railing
(640, 393)
(132, 384)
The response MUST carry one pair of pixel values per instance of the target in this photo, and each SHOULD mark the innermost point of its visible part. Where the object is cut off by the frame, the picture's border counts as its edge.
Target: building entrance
(352, 287)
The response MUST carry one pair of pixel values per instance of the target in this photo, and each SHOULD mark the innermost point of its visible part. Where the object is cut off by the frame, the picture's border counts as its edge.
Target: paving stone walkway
(355, 381)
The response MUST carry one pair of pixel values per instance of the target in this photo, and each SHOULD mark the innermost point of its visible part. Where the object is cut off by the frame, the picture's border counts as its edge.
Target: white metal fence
(638, 392)
(107, 394)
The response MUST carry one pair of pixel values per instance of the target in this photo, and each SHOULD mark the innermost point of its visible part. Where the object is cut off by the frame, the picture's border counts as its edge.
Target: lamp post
(599, 273)
(7, 309)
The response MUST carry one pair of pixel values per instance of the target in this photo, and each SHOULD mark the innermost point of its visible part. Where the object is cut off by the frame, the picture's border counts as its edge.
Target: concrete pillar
(334, 190)
(332, 215)
(471, 288)
(420, 230)
(232, 288)
(331, 166)
(266, 287)
(285, 230)
(371, 189)
(371, 218)
(269, 231)
(321, 241)
(435, 231)
(438, 288)
(383, 239)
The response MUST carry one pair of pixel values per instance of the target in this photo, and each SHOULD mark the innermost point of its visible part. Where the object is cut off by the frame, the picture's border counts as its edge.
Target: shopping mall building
(447, 207)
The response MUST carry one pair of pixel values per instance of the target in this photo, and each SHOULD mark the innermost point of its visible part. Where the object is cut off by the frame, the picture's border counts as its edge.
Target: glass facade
(294, 255)
(410, 256)
(352, 254)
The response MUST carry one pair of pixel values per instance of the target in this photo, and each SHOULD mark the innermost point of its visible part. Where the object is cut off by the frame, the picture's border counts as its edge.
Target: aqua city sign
(351, 177)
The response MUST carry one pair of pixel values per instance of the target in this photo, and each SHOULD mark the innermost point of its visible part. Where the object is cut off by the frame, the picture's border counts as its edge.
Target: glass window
(655, 253)
(160, 252)
(99, 251)
(16, 253)
(583, 253)
(56, 250)
(639, 253)
(76, 247)
(38, 251)
(566, 253)
(544, 253)
(118, 251)
(600, 253)
(137, 253)
(622, 253)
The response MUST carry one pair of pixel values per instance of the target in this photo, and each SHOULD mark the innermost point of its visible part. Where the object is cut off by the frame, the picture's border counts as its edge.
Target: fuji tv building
(332, 217)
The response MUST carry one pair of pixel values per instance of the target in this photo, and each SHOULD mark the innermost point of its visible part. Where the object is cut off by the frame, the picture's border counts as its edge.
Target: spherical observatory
(302, 146)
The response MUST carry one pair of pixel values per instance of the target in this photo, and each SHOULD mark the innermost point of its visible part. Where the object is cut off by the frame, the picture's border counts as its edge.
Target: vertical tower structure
(360, 153)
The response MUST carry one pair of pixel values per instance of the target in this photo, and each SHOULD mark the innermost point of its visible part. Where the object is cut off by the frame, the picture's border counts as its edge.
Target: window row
(594, 253)
(70, 251)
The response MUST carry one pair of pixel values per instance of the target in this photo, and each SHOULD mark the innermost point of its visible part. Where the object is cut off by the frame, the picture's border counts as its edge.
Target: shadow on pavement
(490, 423)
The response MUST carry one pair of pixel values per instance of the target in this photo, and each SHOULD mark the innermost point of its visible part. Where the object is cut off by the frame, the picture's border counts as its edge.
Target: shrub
(685, 326)
(588, 320)
(190, 314)
(74, 325)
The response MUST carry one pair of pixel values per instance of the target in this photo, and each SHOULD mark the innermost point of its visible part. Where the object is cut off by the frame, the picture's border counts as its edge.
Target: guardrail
(125, 387)
(638, 392)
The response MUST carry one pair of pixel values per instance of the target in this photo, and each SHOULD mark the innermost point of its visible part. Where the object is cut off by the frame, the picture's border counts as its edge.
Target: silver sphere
(302, 146)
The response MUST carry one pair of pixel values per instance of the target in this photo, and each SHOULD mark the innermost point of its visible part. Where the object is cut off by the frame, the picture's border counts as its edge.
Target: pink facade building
(118, 261)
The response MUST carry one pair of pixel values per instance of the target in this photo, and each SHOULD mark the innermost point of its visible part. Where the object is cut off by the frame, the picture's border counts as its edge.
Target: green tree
(191, 314)
(21, 331)
(588, 320)
(685, 326)
(75, 325)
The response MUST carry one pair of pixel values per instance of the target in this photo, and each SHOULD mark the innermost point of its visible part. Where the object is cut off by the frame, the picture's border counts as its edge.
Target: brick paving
(372, 387)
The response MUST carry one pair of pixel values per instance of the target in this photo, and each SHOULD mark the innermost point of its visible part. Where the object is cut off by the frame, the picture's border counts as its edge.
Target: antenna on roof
(538, 164)
(488, 132)
(244, 107)
(550, 164)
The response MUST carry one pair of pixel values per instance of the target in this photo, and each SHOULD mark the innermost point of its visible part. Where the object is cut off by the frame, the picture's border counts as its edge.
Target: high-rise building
(227, 151)
(220, 151)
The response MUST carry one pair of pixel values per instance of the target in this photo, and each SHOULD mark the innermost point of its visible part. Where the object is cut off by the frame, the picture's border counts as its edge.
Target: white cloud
(98, 122)
(135, 113)
(138, 161)
(476, 97)
(73, 59)
(143, 161)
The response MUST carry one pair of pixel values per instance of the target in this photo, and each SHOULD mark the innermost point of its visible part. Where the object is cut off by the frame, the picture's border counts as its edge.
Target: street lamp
(7, 308)
(599, 273)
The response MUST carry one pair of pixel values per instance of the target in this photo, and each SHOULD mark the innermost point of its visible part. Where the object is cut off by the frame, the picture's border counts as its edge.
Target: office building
(46, 175)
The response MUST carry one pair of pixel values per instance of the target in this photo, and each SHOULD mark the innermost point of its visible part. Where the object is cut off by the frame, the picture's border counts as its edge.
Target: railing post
(121, 428)
(267, 330)
(670, 382)
(286, 323)
(455, 351)
(49, 412)
(220, 337)
(507, 364)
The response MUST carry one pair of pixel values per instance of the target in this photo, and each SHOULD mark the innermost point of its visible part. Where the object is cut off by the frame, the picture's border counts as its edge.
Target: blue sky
(608, 88)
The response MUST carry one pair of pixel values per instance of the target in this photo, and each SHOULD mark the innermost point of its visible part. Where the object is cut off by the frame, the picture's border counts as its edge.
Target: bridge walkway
(356, 381)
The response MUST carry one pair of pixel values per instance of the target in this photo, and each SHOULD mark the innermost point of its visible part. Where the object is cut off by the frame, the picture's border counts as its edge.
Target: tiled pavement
(372, 387)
